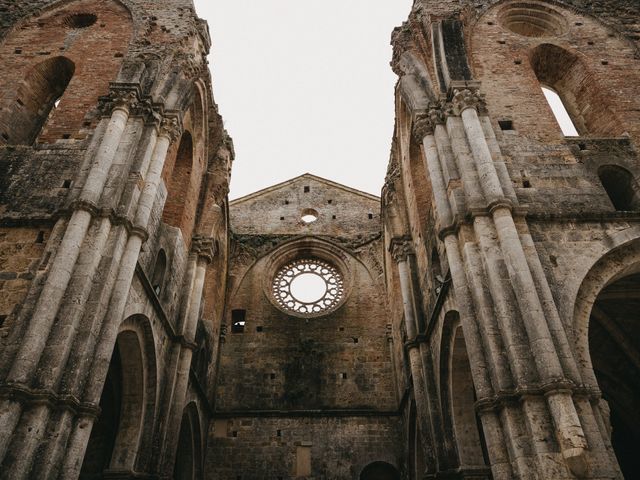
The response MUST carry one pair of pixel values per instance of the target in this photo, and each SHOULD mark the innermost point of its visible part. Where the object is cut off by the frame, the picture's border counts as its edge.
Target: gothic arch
(463, 430)
(608, 347)
(569, 75)
(189, 456)
(70, 24)
(122, 439)
(185, 167)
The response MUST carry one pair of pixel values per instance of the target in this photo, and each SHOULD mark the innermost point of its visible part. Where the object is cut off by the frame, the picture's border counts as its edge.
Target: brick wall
(96, 52)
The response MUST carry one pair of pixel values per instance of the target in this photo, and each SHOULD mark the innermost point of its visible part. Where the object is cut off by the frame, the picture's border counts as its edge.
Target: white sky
(305, 87)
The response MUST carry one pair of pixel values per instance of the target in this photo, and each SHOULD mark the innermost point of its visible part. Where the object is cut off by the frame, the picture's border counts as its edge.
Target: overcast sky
(305, 86)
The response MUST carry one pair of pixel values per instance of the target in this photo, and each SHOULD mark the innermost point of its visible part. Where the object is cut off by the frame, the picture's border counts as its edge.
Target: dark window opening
(505, 124)
(259, 329)
(278, 433)
(238, 321)
(272, 376)
(159, 271)
(40, 237)
(66, 184)
(618, 183)
(3, 318)
(307, 189)
(370, 216)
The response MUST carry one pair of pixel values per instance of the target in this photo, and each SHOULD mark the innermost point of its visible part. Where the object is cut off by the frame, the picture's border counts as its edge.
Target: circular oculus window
(308, 287)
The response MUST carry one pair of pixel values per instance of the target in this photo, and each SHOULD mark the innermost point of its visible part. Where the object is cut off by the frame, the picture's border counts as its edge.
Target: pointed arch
(565, 73)
(30, 87)
(123, 432)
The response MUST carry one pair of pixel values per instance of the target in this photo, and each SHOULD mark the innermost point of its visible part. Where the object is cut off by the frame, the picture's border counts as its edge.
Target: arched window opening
(573, 93)
(468, 431)
(159, 270)
(614, 345)
(180, 188)
(185, 459)
(115, 437)
(560, 112)
(380, 471)
(463, 429)
(619, 185)
(37, 98)
(103, 434)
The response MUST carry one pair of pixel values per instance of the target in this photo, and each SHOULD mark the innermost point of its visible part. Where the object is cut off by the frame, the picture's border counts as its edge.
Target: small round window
(308, 287)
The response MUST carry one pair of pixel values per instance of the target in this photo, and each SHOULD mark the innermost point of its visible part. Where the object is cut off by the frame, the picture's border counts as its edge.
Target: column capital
(467, 98)
(401, 248)
(423, 125)
(171, 127)
(124, 98)
(204, 247)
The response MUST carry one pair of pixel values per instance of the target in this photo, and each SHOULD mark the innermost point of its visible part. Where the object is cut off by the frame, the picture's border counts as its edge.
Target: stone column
(79, 438)
(569, 431)
(401, 249)
(432, 149)
(35, 338)
(203, 253)
(42, 320)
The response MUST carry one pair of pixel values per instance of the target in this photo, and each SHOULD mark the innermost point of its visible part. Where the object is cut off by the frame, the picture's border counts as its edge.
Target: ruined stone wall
(338, 448)
(326, 379)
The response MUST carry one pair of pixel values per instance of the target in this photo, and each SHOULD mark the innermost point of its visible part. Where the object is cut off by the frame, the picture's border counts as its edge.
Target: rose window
(308, 287)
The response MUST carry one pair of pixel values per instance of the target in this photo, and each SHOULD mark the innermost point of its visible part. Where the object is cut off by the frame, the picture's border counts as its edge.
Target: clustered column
(486, 301)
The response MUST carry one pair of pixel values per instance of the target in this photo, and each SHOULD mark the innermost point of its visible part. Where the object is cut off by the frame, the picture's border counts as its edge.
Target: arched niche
(91, 37)
(188, 464)
(123, 430)
(380, 471)
(184, 169)
(620, 186)
(457, 393)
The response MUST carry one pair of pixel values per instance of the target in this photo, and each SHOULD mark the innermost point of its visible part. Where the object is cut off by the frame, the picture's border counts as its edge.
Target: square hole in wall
(518, 62)
(259, 329)
(278, 433)
(281, 218)
(307, 189)
(66, 184)
(40, 237)
(272, 376)
(66, 136)
(329, 202)
(234, 434)
(505, 124)
(333, 217)
(370, 216)
(343, 376)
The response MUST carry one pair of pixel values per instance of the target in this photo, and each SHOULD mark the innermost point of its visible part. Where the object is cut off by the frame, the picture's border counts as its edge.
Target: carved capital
(423, 125)
(400, 249)
(204, 247)
(170, 127)
(437, 113)
(467, 98)
(121, 99)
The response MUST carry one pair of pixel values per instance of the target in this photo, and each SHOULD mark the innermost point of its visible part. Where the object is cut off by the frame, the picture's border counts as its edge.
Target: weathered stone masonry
(478, 320)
